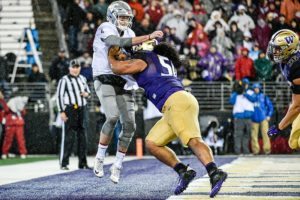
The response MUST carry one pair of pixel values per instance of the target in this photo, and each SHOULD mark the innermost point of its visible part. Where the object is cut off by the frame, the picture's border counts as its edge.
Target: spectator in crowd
(262, 34)
(263, 110)
(226, 6)
(254, 52)
(244, 21)
(86, 34)
(210, 26)
(184, 6)
(222, 42)
(244, 67)
(199, 39)
(247, 41)
(263, 7)
(178, 24)
(243, 109)
(14, 126)
(144, 28)
(290, 8)
(212, 139)
(85, 62)
(137, 9)
(273, 11)
(213, 65)
(59, 66)
(279, 24)
(155, 12)
(295, 26)
(75, 16)
(86, 5)
(208, 5)
(199, 12)
(36, 75)
(236, 36)
(101, 8)
(170, 37)
(263, 67)
(168, 14)
(72, 94)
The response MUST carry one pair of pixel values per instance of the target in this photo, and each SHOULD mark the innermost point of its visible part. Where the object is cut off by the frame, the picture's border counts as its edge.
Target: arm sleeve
(118, 41)
(60, 94)
(250, 96)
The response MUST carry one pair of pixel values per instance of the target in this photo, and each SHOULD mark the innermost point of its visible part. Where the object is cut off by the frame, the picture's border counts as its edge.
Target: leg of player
(204, 154)
(108, 102)
(168, 157)
(125, 104)
(294, 140)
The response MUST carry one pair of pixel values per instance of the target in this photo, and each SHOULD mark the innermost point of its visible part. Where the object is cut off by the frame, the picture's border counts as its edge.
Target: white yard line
(27, 171)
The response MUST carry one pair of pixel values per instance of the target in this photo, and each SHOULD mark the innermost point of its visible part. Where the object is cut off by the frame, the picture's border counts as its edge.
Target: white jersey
(100, 62)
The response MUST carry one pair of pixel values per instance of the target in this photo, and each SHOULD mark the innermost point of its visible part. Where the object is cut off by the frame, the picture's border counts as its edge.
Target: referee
(72, 91)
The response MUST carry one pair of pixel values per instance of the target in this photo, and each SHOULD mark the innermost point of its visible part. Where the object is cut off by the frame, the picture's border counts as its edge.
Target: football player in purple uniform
(283, 49)
(154, 69)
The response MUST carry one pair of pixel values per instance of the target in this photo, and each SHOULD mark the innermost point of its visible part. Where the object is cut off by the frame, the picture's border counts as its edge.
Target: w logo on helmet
(289, 39)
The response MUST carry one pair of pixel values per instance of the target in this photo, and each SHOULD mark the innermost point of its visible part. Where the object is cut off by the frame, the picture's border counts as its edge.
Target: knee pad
(128, 130)
(109, 125)
(128, 127)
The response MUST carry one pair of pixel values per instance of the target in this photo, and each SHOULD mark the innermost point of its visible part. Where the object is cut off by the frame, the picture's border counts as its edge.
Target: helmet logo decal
(289, 39)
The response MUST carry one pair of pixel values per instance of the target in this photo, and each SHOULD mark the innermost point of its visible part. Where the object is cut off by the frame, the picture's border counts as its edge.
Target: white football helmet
(120, 14)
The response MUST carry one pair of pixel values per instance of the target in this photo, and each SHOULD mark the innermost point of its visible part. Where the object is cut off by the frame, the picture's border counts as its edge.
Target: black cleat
(216, 180)
(184, 180)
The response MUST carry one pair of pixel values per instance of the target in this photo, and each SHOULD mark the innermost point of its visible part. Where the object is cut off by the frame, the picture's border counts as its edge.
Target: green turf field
(18, 160)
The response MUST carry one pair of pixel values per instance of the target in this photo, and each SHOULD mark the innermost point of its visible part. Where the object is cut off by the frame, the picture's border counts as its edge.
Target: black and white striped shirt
(69, 89)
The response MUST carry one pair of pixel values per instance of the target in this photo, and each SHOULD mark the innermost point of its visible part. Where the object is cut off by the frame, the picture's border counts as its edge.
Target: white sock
(101, 151)
(119, 159)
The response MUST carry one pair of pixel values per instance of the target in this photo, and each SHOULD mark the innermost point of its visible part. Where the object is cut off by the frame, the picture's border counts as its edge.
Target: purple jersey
(158, 79)
(291, 71)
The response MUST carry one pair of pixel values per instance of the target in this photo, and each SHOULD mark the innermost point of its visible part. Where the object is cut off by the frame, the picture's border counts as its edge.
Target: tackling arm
(131, 66)
(114, 40)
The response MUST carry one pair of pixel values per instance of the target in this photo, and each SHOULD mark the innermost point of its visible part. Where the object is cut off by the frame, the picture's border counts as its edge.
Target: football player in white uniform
(115, 92)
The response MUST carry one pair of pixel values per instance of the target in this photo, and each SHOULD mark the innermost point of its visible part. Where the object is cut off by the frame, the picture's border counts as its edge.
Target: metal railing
(59, 27)
(215, 95)
(212, 96)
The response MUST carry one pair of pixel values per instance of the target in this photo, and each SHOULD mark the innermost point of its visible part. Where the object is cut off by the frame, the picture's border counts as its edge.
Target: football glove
(273, 130)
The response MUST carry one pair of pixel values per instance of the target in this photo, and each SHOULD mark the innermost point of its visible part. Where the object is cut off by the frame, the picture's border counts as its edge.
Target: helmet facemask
(277, 51)
(284, 43)
(120, 14)
(123, 22)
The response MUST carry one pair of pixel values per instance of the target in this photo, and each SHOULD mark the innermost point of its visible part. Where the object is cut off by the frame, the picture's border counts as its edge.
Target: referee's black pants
(75, 126)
